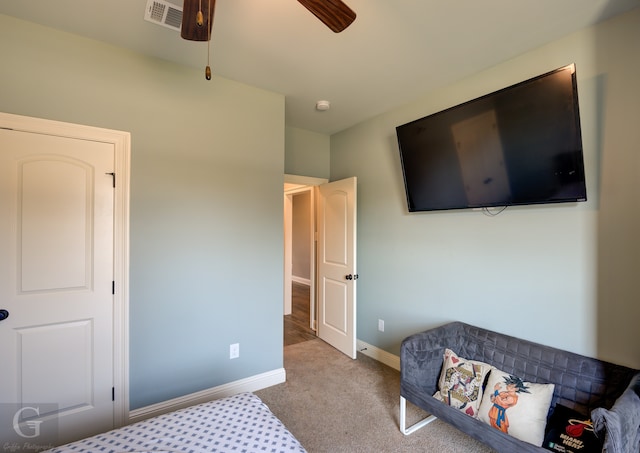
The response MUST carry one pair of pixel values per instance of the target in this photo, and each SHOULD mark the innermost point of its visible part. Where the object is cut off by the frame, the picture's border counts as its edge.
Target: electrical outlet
(234, 351)
(381, 325)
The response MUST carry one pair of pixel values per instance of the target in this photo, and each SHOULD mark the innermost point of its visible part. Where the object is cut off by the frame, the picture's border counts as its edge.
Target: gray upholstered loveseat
(581, 383)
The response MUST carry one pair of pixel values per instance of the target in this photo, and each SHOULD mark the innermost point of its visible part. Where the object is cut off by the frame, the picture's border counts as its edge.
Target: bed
(239, 423)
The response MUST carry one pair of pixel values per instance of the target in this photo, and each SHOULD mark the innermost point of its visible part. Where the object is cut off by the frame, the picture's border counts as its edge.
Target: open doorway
(300, 258)
(332, 258)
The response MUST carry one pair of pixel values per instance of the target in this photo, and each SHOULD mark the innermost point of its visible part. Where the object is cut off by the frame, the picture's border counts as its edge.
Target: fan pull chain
(207, 71)
(199, 16)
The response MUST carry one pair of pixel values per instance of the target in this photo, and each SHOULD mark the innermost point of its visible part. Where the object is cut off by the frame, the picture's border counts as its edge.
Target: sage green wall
(563, 275)
(206, 201)
(306, 153)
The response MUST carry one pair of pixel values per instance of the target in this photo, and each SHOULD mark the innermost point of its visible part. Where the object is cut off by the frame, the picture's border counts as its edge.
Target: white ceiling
(395, 50)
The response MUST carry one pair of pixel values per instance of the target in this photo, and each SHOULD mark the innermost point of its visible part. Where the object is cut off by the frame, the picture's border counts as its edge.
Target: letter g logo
(34, 426)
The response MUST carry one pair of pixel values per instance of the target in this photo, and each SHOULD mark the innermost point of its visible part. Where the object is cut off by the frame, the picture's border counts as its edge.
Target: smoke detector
(323, 105)
(164, 13)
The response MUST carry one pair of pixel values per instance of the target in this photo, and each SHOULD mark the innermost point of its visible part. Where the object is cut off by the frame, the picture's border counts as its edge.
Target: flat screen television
(520, 145)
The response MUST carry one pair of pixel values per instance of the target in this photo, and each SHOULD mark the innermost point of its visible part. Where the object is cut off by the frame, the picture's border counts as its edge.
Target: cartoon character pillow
(516, 407)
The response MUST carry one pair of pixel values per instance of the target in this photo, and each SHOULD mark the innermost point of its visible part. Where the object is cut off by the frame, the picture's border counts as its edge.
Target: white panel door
(337, 265)
(56, 273)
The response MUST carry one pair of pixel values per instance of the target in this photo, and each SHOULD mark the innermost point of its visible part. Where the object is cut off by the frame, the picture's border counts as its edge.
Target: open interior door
(337, 265)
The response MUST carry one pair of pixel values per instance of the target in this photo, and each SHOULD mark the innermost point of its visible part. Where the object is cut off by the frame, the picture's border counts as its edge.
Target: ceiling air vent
(164, 13)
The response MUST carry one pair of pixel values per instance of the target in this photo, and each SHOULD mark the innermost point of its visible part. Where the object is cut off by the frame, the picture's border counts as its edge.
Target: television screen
(517, 146)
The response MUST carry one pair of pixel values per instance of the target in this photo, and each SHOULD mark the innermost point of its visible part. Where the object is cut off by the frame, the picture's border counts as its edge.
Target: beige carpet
(334, 404)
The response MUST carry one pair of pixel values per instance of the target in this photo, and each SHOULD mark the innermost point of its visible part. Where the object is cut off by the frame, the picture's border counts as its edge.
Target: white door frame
(121, 142)
(304, 183)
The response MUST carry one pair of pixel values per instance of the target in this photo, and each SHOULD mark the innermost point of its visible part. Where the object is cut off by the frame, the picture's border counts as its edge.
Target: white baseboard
(301, 280)
(378, 354)
(250, 384)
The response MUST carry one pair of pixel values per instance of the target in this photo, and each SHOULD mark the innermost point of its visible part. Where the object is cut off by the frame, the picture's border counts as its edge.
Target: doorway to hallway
(332, 274)
(296, 324)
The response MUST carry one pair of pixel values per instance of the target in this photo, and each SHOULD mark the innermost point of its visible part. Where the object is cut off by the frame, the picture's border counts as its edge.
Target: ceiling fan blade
(190, 29)
(333, 13)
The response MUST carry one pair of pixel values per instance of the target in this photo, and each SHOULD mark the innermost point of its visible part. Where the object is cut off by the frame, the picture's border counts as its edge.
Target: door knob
(4, 314)
(351, 277)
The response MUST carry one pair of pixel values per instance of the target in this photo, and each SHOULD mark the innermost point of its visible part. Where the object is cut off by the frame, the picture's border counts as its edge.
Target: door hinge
(113, 393)
(114, 178)
(113, 287)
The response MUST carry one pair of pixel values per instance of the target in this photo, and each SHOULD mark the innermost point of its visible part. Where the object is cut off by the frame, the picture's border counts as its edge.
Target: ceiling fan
(197, 18)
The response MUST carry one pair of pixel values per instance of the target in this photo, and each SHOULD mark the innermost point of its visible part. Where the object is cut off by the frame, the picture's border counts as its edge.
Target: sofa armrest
(620, 426)
(421, 356)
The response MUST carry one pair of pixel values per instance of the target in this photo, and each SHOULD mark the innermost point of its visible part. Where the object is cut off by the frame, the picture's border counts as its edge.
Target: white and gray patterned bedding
(240, 423)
